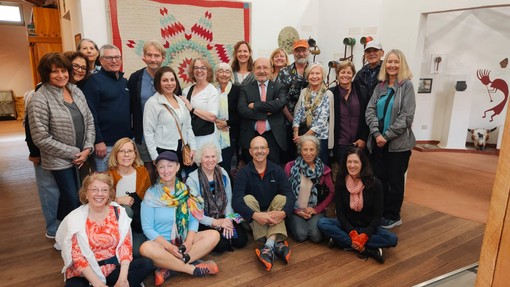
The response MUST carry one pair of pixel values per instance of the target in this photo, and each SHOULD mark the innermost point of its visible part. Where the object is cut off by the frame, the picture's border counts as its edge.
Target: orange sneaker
(160, 276)
(266, 256)
(282, 250)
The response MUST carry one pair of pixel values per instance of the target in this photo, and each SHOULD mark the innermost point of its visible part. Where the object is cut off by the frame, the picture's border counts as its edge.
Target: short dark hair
(159, 75)
(51, 60)
(71, 55)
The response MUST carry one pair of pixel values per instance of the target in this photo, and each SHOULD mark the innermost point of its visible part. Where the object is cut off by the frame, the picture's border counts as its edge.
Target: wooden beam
(494, 264)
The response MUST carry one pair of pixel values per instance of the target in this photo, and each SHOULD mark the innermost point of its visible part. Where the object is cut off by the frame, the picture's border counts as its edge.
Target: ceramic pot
(461, 86)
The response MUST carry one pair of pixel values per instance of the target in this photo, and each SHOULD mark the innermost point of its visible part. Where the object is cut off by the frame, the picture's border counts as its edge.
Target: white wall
(395, 23)
(402, 26)
(15, 71)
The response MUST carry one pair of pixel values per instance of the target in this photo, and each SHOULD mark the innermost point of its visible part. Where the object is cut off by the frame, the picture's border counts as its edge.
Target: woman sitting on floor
(170, 214)
(213, 183)
(96, 240)
(359, 208)
(131, 180)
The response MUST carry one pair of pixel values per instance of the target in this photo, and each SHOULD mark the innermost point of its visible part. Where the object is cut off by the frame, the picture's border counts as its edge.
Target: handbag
(200, 127)
(186, 149)
(322, 191)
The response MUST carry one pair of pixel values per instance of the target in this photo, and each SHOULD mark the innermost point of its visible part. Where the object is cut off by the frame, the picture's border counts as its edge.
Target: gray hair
(210, 145)
(306, 138)
(312, 66)
(107, 47)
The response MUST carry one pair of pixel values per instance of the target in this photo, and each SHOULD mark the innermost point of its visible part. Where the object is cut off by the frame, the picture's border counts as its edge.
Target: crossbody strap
(176, 124)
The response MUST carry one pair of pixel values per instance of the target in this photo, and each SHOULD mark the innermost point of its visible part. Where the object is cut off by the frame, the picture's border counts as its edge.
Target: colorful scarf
(224, 136)
(310, 105)
(356, 200)
(301, 168)
(214, 204)
(183, 199)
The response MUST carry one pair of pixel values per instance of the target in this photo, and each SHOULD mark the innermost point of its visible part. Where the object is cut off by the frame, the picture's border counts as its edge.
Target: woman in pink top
(96, 240)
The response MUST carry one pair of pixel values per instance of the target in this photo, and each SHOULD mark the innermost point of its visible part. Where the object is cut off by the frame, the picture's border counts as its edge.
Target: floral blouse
(320, 116)
(103, 240)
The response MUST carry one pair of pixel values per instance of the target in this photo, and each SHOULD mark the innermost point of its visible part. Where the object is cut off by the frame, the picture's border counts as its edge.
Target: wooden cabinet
(46, 23)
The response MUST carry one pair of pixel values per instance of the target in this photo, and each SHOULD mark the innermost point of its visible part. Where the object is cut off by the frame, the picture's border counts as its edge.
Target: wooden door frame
(494, 259)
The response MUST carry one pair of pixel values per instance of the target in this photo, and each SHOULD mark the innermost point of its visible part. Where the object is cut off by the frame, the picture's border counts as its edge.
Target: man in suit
(260, 106)
(141, 88)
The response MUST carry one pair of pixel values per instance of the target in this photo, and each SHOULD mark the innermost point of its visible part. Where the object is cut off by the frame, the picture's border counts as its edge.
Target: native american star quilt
(187, 29)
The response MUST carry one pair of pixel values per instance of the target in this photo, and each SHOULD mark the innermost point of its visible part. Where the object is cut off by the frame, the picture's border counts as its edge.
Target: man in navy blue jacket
(108, 99)
(263, 197)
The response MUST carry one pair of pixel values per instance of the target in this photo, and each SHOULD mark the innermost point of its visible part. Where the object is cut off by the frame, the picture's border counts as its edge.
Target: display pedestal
(457, 111)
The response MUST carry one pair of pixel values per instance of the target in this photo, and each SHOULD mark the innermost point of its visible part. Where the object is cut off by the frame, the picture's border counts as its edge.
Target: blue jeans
(331, 227)
(48, 195)
(68, 185)
(102, 163)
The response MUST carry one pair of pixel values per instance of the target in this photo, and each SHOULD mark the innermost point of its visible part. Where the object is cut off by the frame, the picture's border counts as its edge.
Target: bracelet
(192, 110)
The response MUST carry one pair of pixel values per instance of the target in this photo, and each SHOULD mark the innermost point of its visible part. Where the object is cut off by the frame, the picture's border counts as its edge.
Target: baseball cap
(301, 43)
(373, 45)
(167, 155)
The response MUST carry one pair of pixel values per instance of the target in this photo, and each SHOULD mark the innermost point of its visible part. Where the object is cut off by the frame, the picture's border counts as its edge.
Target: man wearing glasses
(263, 197)
(108, 99)
(260, 106)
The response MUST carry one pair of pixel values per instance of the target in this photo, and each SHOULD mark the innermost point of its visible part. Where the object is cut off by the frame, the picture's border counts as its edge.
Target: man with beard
(263, 197)
(141, 88)
(367, 76)
(292, 77)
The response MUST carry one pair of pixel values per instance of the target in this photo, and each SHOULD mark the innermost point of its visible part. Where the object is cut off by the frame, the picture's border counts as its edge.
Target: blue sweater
(109, 101)
(248, 181)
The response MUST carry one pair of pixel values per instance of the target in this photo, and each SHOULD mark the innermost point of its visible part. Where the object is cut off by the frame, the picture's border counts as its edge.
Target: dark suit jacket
(270, 110)
(135, 89)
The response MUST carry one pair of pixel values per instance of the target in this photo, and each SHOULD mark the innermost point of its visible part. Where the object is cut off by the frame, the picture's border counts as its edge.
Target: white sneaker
(57, 246)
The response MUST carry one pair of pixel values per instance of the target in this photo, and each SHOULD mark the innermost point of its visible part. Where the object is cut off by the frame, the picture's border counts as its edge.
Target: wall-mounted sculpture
(493, 87)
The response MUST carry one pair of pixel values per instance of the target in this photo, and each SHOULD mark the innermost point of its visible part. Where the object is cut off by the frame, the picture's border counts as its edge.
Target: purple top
(349, 117)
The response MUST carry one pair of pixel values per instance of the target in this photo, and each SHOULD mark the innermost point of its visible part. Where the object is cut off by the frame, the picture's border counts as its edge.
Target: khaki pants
(260, 231)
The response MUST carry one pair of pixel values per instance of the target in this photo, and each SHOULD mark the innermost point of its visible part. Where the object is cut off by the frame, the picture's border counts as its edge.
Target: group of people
(111, 157)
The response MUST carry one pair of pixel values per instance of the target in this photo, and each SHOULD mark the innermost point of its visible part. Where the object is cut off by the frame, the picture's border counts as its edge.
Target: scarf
(356, 200)
(224, 135)
(311, 101)
(214, 204)
(301, 170)
(184, 200)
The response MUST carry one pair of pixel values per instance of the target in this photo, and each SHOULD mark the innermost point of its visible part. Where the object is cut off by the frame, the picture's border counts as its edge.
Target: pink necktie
(261, 125)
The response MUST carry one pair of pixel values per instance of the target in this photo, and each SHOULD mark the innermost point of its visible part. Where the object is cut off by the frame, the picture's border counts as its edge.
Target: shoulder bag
(186, 149)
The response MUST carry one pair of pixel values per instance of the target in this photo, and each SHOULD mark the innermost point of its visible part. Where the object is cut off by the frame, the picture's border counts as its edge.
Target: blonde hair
(112, 160)
(276, 51)
(404, 73)
(312, 66)
(102, 177)
(206, 63)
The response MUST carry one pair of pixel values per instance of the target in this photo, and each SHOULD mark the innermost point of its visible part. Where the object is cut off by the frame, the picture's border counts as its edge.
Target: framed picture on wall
(77, 39)
(425, 86)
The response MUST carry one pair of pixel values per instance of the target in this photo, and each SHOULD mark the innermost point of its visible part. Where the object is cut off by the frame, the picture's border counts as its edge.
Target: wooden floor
(431, 243)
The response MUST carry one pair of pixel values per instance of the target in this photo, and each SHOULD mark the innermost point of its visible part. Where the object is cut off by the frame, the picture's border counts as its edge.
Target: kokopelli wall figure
(493, 87)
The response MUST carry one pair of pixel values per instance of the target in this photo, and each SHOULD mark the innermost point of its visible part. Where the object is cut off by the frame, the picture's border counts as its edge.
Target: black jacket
(135, 89)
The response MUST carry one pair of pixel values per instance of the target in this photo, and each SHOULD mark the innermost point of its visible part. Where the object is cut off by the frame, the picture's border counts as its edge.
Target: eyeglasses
(77, 67)
(223, 72)
(203, 68)
(111, 58)
(259, 68)
(97, 190)
(259, 148)
(128, 152)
